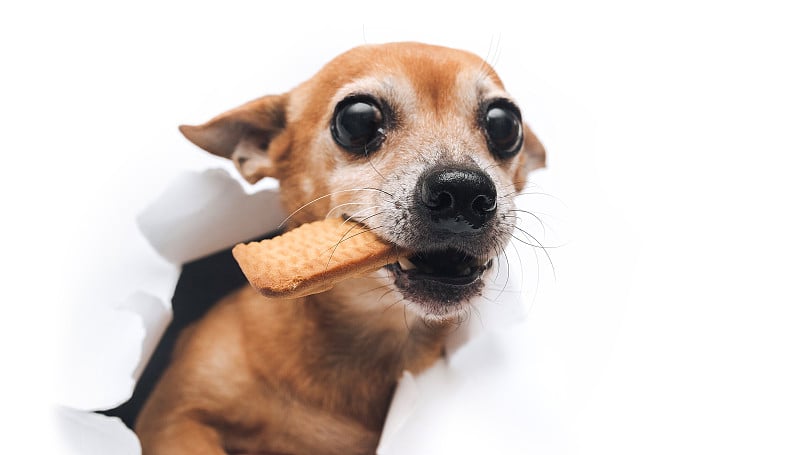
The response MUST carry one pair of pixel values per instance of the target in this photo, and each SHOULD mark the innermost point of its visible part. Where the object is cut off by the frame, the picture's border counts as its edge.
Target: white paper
(87, 433)
(478, 397)
(106, 347)
(200, 214)
(488, 395)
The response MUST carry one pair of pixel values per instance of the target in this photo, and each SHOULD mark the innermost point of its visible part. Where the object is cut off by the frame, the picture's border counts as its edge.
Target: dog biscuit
(313, 257)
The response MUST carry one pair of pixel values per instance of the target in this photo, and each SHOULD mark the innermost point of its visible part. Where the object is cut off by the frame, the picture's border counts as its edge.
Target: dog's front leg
(182, 436)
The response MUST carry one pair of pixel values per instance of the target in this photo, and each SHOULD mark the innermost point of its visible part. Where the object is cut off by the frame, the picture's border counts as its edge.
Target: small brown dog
(423, 146)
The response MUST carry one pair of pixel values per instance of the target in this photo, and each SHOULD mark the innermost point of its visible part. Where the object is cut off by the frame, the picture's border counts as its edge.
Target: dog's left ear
(245, 135)
(533, 150)
(533, 156)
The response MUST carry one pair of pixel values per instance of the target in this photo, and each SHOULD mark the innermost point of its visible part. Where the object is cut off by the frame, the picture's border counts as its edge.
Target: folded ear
(533, 150)
(244, 135)
(533, 157)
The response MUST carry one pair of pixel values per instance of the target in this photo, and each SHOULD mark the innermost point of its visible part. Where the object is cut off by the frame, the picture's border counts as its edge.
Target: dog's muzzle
(453, 213)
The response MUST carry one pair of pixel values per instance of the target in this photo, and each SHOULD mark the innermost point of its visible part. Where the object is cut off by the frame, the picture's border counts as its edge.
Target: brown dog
(420, 144)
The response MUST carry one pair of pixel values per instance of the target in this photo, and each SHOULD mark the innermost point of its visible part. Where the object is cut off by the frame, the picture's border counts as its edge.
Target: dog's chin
(439, 284)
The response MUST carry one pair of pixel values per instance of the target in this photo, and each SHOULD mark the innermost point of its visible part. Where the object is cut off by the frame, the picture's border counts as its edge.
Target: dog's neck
(379, 330)
(359, 347)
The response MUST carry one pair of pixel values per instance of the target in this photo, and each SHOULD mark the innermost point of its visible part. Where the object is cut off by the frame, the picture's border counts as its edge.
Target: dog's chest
(336, 363)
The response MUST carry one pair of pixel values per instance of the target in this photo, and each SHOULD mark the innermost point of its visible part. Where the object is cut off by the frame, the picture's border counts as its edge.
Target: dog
(418, 143)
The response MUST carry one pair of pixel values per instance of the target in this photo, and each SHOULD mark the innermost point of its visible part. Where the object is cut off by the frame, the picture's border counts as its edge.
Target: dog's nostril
(437, 200)
(484, 204)
(456, 200)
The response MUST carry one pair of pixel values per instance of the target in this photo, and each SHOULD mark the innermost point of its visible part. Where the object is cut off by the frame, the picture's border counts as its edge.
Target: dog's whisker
(525, 242)
(541, 219)
(486, 68)
(528, 212)
(499, 289)
(330, 212)
(516, 193)
(379, 190)
(538, 276)
(495, 247)
(358, 233)
(541, 247)
(342, 239)
(539, 244)
(390, 306)
(346, 237)
(377, 288)
(534, 212)
(369, 158)
(405, 315)
(463, 316)
(533, 241)
(508, 273)
(521, 266)
(474, 309)
(333, 193)
(389, 291)
(366, 229)
(354, 216)
(497, 51)
(482, 68)
(489, 166)
(525, 182)
(513, 213)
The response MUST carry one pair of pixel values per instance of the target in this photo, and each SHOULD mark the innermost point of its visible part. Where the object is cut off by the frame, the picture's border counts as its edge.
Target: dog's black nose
(457, 200)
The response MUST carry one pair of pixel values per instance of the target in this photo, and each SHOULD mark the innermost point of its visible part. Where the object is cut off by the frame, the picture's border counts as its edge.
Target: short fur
(316, 375)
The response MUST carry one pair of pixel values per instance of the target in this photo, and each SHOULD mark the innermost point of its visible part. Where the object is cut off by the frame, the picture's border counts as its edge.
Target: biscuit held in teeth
(313, 257)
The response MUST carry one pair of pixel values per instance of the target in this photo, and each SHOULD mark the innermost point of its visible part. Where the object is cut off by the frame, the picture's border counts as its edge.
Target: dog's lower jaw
(440, 294)
(435, 300)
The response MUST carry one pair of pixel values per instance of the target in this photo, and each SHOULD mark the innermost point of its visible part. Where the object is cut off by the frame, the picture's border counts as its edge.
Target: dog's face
(420, 144)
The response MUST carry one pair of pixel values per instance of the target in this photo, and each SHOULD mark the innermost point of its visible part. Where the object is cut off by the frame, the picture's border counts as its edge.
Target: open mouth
(438, 280)
(448, 267)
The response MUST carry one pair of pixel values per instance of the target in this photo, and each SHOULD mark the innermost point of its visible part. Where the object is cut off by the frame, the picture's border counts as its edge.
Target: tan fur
(315, 375)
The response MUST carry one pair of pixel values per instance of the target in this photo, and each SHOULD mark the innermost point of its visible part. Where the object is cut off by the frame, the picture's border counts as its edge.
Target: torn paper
(202, 213)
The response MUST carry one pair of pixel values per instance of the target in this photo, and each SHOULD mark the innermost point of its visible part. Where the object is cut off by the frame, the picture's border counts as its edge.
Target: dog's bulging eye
(357, 125)
(503, 130)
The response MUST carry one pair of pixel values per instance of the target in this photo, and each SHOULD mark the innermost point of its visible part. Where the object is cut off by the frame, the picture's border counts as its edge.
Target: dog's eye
(503, 129)
(357, 125)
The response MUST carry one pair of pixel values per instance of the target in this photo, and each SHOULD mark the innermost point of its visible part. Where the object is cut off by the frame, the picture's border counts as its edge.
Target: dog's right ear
(244, 135)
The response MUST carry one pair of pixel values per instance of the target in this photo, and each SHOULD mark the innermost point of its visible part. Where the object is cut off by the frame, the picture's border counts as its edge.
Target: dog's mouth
(450, 267)
(439, 281)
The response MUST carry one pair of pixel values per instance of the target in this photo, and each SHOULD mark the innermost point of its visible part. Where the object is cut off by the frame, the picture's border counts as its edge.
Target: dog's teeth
(405, 264)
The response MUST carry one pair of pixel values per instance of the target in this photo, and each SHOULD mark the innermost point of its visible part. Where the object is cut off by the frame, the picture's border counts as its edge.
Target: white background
(672, 130)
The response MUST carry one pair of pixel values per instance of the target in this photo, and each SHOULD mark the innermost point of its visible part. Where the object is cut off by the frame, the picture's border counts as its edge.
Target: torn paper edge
(179, 242)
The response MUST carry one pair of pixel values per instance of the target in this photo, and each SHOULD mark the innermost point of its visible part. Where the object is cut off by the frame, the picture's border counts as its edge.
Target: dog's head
(421, 144)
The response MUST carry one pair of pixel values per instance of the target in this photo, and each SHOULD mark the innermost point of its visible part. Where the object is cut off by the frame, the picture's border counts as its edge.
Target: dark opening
(202, 283)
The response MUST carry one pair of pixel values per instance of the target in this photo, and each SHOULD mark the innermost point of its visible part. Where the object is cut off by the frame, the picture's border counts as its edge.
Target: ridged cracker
(313, 257)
